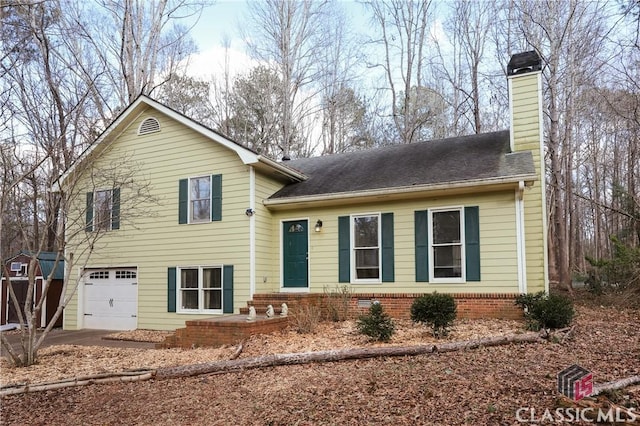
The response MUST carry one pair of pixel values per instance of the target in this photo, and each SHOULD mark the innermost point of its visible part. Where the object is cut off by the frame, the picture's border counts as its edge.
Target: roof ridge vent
(149, 125)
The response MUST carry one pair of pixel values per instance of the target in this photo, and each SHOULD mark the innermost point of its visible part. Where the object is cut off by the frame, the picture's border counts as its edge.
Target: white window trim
(352, 250)
(190, 200)
(432, 261)
(95, 204)
(179, 290)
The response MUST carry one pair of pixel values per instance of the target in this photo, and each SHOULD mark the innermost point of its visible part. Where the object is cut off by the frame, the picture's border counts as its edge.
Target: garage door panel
(111, 299)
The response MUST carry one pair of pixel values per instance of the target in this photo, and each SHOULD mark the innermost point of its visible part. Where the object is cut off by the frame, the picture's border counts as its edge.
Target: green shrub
(436, 310)
(546, 310)
(376, 324)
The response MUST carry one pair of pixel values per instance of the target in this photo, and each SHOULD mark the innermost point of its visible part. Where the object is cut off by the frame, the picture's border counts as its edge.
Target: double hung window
(200, 289)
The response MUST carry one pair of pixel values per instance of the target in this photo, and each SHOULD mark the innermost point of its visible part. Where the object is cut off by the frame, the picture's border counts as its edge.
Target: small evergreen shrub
(376, 324)
(543, 310)
(436, 310)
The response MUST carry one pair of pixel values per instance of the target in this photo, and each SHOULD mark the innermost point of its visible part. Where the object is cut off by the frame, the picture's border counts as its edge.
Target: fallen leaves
(482, 386)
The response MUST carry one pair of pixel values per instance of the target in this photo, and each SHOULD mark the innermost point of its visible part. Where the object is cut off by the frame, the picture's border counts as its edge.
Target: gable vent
(150, 125)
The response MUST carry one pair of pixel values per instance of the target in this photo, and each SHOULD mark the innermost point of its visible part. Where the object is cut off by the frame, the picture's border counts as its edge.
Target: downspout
(520, 239)
(252, 232)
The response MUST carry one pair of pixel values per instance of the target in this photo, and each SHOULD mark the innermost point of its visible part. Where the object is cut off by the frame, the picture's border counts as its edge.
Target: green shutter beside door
(227, 289)
(388, 269)
(472, 243)
(344, 268)
(171, 290)
(421, 223)
(183, 200)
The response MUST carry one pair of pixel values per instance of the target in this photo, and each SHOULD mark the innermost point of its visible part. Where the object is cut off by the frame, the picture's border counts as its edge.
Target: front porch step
(219, 331)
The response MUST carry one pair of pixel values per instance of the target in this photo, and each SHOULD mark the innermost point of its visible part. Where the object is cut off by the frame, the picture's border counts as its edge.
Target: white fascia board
(398, 190)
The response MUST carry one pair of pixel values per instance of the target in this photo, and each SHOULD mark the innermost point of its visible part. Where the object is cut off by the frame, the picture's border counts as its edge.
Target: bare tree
(189, 96)
(461, 59)
(287, 35)
(404, 27)
(569, 37)
(255, 113)
(140, 44)
(75, 246)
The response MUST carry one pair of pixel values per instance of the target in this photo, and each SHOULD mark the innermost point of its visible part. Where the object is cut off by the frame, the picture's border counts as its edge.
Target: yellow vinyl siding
(159, 242)
(497, 244)
(267, 257)
(526, 129)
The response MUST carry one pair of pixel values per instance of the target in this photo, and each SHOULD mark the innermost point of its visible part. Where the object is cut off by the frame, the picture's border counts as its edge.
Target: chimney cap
(525, 62)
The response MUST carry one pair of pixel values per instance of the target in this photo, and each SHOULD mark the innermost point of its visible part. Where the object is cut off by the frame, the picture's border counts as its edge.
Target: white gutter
(520, 239)
(398, 190)
(252, 232)
(288, 171)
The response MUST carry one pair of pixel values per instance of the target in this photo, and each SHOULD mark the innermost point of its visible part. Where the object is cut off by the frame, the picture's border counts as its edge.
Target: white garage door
(111, 299)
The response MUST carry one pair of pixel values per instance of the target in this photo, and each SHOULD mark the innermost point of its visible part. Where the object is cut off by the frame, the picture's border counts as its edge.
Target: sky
(224, 19)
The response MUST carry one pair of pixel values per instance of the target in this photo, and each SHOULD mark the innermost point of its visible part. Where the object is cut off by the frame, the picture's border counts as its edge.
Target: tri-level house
(220, 224)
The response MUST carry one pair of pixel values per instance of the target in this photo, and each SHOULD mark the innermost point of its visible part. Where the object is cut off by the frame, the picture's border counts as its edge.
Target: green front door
(295, 267)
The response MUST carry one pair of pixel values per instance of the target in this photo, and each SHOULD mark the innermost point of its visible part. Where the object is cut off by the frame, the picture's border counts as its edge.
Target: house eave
(400, 193)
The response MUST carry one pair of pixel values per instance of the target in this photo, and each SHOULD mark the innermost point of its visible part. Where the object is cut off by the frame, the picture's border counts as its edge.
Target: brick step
(220, 331)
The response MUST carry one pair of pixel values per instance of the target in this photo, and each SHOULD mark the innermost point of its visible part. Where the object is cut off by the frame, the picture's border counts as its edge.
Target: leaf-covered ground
(481, 387)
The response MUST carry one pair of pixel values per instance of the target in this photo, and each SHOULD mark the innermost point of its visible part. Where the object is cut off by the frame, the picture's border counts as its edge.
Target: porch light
(318, 225)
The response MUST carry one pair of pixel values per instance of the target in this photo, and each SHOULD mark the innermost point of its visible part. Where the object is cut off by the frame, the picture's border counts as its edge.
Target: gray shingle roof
(459, 159)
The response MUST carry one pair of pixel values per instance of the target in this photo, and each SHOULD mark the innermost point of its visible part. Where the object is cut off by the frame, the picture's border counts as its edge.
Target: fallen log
(121, 377)
(234, 364)
(616, 384)
(338, 355)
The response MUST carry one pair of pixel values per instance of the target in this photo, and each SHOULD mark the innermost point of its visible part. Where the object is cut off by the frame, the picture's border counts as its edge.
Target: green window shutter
(344, 267)
(388, 269)
(89, 213)
(115, 208)
(171, 290)
(472, 243)
(183, 200)
(421, 223)
(216, 197)
(227, 289)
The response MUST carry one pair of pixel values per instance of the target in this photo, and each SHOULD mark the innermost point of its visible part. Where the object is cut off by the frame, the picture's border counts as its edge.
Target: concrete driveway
(82, 338)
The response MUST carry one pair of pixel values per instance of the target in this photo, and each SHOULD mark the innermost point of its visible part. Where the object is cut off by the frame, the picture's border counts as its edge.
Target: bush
(435, 310)
(377, 324)
(337, 302)
(546, 310)
(306, 318)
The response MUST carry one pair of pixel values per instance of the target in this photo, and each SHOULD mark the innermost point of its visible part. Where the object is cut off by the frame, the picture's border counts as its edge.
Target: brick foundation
(469, 305)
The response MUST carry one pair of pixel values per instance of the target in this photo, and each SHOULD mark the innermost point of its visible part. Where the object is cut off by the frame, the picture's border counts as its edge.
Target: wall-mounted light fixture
(249, 212)
(318, 225)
